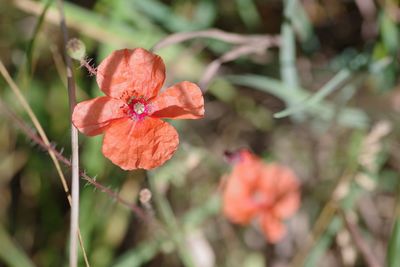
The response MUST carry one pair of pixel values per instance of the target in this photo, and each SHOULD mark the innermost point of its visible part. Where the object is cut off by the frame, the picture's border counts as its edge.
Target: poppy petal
(144, 144)
(183, 100)
(273, 228)
(287, 205)
(286, 178)
(91, 117)
(238, 206)
(287, 191)
(130, 73)
(248, 168)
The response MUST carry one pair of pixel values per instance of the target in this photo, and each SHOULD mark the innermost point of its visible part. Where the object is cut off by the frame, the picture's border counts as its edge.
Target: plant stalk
(74, 222)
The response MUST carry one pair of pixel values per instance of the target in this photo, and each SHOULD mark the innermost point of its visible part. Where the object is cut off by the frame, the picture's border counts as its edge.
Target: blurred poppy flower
(130, 113)
(268, 193)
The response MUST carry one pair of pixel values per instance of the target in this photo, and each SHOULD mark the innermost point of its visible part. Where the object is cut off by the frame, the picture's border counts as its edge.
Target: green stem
(169, 220)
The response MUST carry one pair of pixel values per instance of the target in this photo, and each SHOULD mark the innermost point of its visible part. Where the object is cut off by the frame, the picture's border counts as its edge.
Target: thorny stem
(73, 249)
(45, 141)
(51, 150)
(86, 63)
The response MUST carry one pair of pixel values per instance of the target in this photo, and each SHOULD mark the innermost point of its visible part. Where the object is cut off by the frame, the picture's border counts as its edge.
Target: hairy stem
(73, 249)
(52, 151)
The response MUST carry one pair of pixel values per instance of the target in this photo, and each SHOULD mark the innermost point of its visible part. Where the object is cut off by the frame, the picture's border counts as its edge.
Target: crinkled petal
(144, 144)
(288, 180)
(238, 205)
(273, 228)
(286, 190)
(268, 179)
(287, 205)
(93, 116)
(247, 168)
(130, 73)
(183, 100)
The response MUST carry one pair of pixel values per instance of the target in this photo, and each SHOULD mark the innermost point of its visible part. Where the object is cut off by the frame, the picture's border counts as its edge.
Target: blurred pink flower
(268, 193)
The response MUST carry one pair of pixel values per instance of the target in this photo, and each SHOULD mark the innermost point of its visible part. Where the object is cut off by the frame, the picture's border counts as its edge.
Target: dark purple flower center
(138, 108)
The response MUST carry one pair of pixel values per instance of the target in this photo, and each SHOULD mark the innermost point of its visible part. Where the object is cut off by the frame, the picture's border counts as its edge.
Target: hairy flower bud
(76, 49)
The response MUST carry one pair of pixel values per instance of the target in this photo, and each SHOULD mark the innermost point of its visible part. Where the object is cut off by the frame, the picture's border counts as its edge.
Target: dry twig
(324, 218)
(359, 241)
(245, 45)
(236, 52)
(368, 12)
(227, 37)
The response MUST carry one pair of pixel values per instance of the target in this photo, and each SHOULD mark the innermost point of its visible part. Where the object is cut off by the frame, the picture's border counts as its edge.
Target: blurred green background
(336, 70)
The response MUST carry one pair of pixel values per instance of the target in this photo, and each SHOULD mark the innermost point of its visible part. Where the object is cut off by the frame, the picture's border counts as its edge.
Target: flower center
(138, 108)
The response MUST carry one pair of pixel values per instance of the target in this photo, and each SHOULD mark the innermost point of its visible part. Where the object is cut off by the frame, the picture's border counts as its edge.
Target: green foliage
(394, 246)
(312, 103)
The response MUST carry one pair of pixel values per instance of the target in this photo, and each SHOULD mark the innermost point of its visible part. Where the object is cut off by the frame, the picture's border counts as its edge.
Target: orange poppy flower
(268, 193)
(130, 113)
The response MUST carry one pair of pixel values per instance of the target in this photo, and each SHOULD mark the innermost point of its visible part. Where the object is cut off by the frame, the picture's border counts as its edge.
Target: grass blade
(393, 259)
(328, 88)
(10, 253)
(31, 44)
(287, 53)
(324, 110)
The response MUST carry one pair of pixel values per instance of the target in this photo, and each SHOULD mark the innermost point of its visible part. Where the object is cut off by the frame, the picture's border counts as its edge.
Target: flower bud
(76, 49)
(145, 196)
